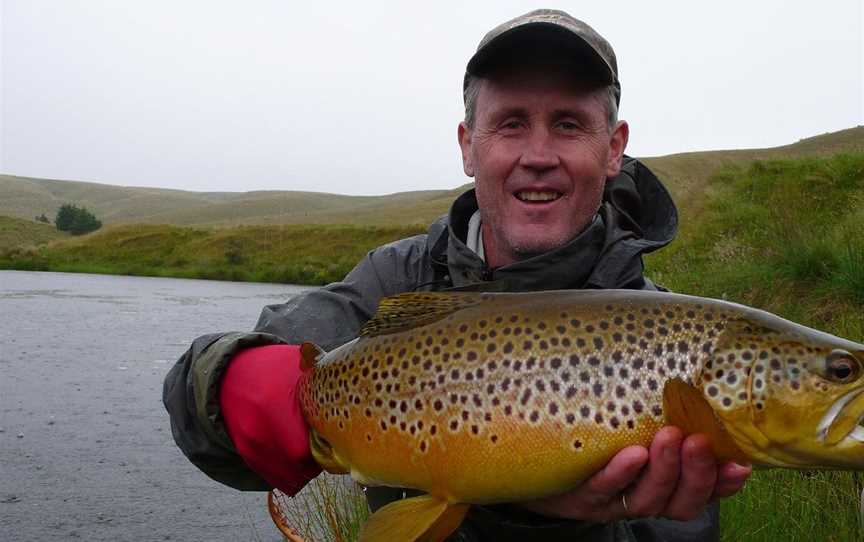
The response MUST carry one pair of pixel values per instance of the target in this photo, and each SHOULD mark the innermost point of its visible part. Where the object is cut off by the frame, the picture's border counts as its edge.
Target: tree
(76, 220)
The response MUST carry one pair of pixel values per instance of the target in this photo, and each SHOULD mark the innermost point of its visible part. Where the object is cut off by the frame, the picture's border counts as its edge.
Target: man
(556, 205)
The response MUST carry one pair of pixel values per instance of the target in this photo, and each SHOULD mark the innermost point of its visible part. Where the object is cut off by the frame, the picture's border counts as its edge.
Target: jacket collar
(637, 216)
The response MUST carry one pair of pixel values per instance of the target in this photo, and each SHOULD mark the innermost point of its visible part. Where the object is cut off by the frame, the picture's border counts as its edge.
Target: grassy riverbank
(785, 236)
(291, 254)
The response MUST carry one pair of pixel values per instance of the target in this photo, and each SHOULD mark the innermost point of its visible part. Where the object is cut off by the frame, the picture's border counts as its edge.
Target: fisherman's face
(540, 151)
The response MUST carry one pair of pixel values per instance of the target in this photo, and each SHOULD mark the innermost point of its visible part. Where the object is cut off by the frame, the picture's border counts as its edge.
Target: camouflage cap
(545, 34)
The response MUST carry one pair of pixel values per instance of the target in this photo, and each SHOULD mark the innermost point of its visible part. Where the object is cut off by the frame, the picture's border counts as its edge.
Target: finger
(731, 478)
(656, 485)
(619, 473)
(698, 478)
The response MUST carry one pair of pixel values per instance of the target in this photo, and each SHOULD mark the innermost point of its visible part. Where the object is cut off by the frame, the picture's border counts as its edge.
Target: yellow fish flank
(483, 398)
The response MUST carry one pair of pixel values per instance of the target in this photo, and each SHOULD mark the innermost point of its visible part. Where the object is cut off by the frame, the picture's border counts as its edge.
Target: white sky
(364, 97)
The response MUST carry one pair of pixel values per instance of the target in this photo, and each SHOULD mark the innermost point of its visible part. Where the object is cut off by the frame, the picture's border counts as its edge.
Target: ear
(465, 134)
(617, 144)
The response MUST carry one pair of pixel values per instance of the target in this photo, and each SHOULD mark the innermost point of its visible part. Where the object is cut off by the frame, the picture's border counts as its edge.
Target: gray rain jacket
(637, 216)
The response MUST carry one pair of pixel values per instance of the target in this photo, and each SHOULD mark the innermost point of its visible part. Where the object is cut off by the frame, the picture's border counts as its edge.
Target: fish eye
(841, 366)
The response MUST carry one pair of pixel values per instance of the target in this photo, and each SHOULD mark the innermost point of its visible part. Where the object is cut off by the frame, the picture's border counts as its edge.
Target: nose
(538, 153)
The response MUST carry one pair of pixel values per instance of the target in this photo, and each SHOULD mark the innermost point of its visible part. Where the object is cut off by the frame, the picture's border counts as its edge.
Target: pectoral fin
(418, 519)
(686, 408)
(310, 353)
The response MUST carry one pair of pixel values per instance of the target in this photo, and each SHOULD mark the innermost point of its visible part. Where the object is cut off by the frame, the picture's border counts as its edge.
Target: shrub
(76, 220)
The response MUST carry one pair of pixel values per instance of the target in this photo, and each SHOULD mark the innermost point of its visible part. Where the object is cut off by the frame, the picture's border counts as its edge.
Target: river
(86, 451)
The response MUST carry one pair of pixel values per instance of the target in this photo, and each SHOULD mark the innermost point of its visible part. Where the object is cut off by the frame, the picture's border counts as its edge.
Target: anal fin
(686, 408)
(418, 519)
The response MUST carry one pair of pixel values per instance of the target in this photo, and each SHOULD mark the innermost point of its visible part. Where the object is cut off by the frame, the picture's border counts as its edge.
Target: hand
(675, 479)
(258, 399)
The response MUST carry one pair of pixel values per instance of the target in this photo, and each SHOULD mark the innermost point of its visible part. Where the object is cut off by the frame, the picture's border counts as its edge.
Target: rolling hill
(22, 197)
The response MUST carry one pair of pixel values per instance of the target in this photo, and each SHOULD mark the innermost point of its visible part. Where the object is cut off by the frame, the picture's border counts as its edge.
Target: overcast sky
(364, 97)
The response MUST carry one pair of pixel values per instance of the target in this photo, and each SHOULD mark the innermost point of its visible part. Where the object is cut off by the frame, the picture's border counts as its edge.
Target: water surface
(85, 444)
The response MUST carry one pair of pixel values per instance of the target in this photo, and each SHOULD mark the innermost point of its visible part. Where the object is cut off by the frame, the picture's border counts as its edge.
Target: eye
(511, 125)
(568, 125)
(841, 366)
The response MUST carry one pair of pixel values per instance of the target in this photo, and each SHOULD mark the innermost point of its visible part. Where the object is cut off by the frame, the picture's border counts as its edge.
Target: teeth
(538, 196)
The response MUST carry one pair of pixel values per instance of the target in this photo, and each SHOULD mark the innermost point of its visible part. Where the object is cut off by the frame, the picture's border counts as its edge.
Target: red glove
(262, 414)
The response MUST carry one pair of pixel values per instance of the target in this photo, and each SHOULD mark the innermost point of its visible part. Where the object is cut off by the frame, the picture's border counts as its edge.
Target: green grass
(795, 506)
(290, 254)
(786, 236)
(17, 233)
(329, 509)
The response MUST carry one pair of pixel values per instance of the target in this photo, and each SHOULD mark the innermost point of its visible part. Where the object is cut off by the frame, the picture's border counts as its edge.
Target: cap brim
(541, 42)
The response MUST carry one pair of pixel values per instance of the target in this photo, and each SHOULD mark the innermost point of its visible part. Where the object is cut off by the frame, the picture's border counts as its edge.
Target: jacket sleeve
(328, 316)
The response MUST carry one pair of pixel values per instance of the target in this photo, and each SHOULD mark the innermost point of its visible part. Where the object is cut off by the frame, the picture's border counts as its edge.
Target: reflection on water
(85, 443)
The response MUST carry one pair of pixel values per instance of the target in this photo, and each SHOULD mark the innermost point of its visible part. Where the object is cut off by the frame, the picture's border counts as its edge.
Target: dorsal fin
(407, 311)
(686, 408)
(310, 353)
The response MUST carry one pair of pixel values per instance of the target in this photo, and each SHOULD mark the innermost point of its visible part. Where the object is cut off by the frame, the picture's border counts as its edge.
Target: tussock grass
(20, 234)
(310, 255)
(329, 509)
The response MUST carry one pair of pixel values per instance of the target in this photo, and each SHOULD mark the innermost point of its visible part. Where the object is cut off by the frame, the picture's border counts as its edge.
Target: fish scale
(483, 398)
(448, 394)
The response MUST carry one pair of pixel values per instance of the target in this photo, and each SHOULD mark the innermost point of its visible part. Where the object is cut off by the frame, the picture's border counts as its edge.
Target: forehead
(537, 87)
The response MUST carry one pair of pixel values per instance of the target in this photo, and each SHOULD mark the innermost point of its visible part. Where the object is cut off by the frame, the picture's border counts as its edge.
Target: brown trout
(479, 398)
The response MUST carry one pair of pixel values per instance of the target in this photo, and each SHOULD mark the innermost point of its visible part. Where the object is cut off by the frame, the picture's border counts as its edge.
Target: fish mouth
(832, 416)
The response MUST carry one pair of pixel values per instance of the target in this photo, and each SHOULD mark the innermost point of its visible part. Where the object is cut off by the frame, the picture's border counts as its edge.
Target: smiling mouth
(535, 196)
